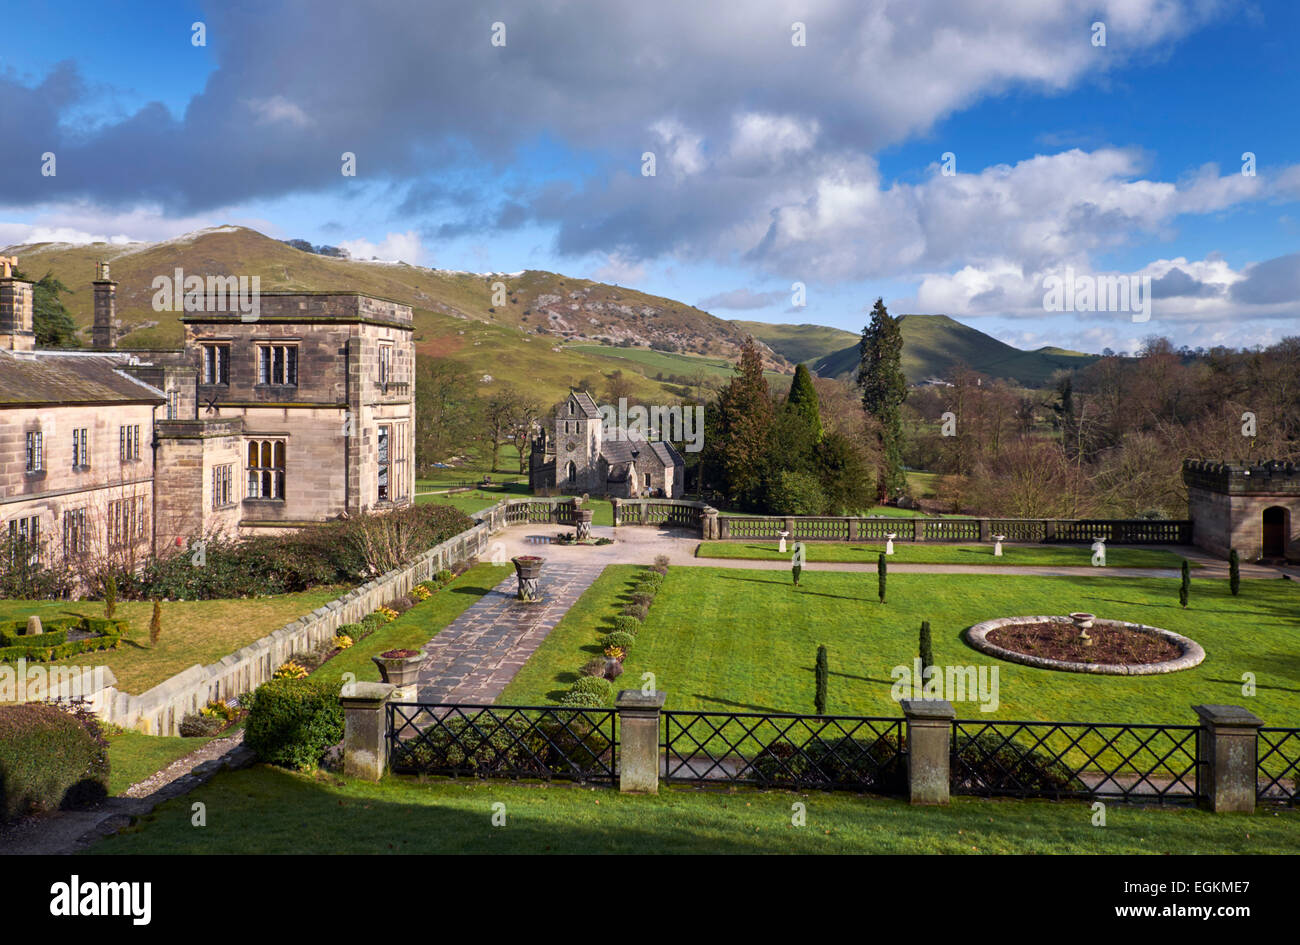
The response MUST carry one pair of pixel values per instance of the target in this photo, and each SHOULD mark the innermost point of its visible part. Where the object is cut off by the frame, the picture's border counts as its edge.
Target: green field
(649, 362)
(267, 811)
(907, 552)
(193, 631)
(745, 641)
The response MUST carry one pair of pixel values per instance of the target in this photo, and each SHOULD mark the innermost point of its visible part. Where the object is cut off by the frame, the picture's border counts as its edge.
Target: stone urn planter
(399, 667)
(528, 568)
(582, 522)
(1083, 623)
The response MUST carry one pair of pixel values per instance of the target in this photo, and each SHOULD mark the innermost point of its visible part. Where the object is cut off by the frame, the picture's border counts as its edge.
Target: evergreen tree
(926, 651)
(884, 388)
(1234, 572)
(51, 323)
(110, 596)
(881, 574)
(823, 678)
(803, 400)
(745, 420)
(1185, 588)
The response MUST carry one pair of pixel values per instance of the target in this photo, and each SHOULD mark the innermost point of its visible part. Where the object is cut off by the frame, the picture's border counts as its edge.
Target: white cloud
(82, 223)
(618, 270)
(395, 247)
(276, 110)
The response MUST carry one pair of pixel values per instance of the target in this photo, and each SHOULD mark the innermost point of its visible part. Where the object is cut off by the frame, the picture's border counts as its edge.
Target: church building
(584, 456)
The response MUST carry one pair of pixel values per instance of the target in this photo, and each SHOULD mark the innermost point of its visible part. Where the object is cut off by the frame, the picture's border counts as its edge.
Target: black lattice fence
(834, 752)
(1277, 765)
(1149, 763)
(502, 741)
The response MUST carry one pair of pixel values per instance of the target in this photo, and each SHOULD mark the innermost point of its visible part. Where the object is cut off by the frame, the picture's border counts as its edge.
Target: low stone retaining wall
(159, 710)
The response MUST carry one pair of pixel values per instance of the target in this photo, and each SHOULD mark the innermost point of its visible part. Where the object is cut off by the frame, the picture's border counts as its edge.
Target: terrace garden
(720, 639)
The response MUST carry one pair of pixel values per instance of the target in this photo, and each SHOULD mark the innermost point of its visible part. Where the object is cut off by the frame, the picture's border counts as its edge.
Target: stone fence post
(709, 524)
(365, 729)
(929, 746)
(618, 508)
(1226, 746)
(638, 740)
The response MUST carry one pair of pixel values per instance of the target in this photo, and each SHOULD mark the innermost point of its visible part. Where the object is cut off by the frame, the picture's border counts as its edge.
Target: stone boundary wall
(159, 710)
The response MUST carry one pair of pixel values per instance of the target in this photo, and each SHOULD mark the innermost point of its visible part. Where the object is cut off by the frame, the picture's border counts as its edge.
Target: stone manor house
(583, 457)
(300, 415)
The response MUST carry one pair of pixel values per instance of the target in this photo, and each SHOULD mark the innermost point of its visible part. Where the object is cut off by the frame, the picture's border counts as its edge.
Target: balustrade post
(986, 530)
(1226, 753)
(618, 510)
(638, 740)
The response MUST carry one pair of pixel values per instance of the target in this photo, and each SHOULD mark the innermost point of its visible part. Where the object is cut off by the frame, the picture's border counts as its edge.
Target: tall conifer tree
(884, 388)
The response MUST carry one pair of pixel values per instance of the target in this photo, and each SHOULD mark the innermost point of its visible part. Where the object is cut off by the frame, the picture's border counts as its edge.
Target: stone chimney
(102, 333)
(16, 332)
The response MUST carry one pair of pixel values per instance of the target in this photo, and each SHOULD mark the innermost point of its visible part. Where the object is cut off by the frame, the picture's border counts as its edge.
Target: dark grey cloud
(1270, 282)
(1178, 284)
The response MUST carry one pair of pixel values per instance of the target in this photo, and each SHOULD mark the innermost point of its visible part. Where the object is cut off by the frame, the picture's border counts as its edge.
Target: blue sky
(818, 164)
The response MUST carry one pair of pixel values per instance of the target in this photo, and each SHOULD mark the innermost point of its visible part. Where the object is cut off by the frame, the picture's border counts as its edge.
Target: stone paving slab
(473, 658)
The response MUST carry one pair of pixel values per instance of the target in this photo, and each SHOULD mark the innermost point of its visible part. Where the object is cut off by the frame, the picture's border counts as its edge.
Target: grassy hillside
(934, 344)
(653, 363)
(798, 343)
(518, 342)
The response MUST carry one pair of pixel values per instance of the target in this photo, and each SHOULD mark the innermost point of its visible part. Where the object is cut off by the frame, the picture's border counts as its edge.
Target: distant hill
(932, 346)
(798, 343)
(524, 341)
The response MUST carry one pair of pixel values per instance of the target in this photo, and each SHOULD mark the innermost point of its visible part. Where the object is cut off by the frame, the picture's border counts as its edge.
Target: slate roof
(57, 378)
(617, 449)
(586, 404)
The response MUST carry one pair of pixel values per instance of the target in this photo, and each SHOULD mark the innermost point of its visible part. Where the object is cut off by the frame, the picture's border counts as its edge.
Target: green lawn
(733, 640)
(266, 810)
(196, 631)
(907, 552)
(417, 626)
(133, 756)
(478, 499)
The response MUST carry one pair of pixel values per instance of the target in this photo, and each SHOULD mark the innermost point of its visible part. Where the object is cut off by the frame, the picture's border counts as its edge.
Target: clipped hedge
(597, 686)
(619, 639)
(626, 624)
(293, 722)
(54, 645)
(50, 759)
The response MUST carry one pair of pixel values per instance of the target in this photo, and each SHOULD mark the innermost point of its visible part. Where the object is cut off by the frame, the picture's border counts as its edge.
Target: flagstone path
(473, 657)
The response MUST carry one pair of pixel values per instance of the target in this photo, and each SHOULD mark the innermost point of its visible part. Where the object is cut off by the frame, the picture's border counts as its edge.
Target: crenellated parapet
(1267, 477)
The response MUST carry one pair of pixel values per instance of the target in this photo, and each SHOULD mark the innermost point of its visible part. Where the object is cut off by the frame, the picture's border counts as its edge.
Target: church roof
(586, 404)
(618, 447)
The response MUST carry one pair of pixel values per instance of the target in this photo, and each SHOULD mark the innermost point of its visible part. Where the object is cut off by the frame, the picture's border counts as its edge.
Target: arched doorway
(1275, 531)
(571, 473)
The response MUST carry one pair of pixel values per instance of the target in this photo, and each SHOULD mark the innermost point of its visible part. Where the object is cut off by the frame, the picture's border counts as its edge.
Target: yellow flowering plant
(290, 670)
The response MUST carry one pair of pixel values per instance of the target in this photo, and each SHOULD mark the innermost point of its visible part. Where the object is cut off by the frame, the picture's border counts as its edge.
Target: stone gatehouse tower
(1252, 508)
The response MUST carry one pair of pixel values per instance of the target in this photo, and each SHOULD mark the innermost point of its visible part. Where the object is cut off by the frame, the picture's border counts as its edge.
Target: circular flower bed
(1118, 648)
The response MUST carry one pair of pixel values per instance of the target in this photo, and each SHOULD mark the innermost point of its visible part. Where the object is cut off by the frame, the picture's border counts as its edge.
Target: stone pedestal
(582, 524)
(365, 731)
(638, 737)
(709, 525)
(929, 746)
(1226, 743)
